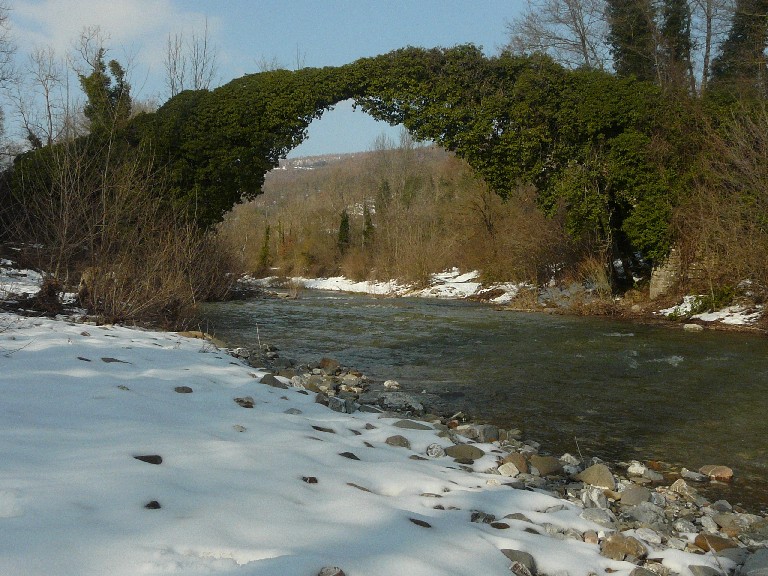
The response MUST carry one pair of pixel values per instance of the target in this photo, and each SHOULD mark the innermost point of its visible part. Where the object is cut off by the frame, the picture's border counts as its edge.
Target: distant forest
(605, 138)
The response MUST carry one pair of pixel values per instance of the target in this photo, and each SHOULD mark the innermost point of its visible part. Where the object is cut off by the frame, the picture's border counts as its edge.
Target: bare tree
(191, 64)
(573, 32)
(7, 47)
(40, 100)
(175, 64)
(710, 25)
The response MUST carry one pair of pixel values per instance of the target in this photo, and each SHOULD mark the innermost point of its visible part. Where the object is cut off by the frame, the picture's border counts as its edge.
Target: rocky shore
(645, 509)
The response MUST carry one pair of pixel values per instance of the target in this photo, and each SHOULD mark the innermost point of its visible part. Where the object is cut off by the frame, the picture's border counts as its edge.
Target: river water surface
(619, 390)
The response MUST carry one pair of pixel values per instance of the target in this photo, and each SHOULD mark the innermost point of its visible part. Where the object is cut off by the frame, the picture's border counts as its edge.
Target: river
(606, 388)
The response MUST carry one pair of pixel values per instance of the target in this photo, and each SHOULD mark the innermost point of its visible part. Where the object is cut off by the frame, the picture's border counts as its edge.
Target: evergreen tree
(109, 99)
(676, 44)
(741, 66)
(344, 233)
(264, 259)
(632, 38)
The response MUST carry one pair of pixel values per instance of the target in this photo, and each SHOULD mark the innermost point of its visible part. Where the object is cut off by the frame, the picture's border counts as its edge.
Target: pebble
(398, 441)
(598, 475)
(435, 451)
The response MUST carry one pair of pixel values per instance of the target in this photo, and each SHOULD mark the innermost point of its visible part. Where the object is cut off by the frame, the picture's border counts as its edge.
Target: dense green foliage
(109, 101)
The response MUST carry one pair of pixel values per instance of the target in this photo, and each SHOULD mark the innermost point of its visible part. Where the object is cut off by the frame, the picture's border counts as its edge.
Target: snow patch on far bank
(735, 315)
(450, 284)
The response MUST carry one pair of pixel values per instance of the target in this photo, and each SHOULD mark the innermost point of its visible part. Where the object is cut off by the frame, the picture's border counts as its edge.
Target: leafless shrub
(723, 223)
(102, 210)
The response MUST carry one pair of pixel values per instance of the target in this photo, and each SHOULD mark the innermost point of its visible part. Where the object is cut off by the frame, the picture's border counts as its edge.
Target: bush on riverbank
(111, 232)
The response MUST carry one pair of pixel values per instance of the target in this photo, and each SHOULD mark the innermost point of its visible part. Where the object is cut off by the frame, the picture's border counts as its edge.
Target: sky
(247, 33)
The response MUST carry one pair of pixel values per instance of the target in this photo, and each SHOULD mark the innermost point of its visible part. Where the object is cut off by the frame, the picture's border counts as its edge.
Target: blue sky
(246, 32)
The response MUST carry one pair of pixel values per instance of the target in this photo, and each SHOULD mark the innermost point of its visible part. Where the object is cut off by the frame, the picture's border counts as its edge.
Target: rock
(272, 380)
(722, 506)
(591, 537)
(294, 411)
(153, 505)
(693, 327)
(480, 517)
(329, 365)
(479, 432)
(518, 460)
(523, 558)
(509, 470)
(412, 425)
(401, 402)
(246, 402)
(684, 526)
(600, 516)
(640, 571)
(309, 479)
(712, 542)
(392, 385)
(331, 571)
(636, 468)
(644, 513)
(345, 405)
(349, 455)
(758, 531)
(546, 465)
(598, 475)
(681, 487)
(464, 452)
(709, 524)
(183, 389)
(398, 441)
(150, 459)
(619, 547)
(634, 495)
(653, 476)
(569, 460)
(756, 564)
(594, 498)
(719, 473)
(435, 451)
(698, 570)
(421, 523)
(693, 476)
(648, 535)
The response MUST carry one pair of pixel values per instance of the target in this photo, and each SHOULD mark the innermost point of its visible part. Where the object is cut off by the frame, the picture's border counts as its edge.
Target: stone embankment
(644, 513)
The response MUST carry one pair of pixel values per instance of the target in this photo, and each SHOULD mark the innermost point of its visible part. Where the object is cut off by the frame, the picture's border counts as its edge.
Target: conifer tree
(109, 98)
(344, 233)
(741, 66)
(632, 38)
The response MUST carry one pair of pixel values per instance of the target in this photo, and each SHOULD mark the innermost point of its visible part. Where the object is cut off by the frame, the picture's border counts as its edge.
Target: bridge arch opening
(343, 130)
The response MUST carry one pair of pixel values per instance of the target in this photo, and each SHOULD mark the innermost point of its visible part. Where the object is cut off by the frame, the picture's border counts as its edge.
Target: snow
(80, 401)
(450, 284)
(732, 315)
(17, 282)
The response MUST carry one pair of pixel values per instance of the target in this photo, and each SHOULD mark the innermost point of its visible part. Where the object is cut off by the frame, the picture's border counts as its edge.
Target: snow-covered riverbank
(286, 486)
(454, 284)
(136, 452)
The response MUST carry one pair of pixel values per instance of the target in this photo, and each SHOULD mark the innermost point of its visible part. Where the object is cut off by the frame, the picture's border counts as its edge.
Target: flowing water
(608, 388)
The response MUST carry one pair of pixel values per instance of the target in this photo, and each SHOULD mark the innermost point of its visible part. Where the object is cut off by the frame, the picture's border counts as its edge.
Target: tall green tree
(632, 36)
(109, 96)
(740, 68)
(344, 237)
(675, 50)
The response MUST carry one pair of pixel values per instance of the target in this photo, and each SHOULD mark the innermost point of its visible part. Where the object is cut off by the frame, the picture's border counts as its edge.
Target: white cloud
(136, 30)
